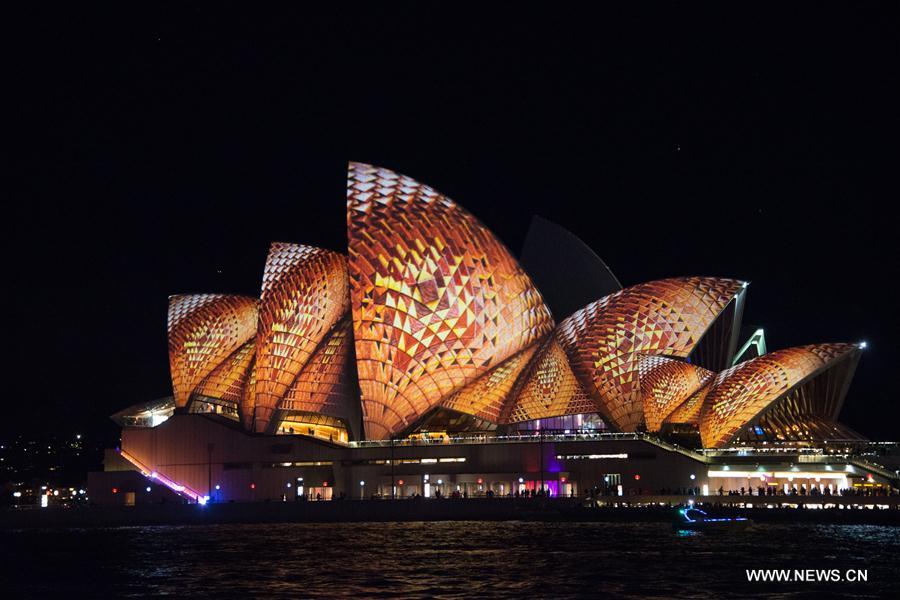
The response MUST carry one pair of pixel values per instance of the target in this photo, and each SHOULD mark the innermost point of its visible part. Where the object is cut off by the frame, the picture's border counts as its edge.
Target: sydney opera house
(429, 360)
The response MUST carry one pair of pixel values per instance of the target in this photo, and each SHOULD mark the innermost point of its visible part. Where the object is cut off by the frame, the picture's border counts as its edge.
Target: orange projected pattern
(248, 397)
(227, 381)
(437, 300)
(304, 294)
(738, 395)
(326, 384)
(431, 317)
(689, 412)
(667, 383)
(605, 340)
(204, 329)
(550, 388)
(485, 397)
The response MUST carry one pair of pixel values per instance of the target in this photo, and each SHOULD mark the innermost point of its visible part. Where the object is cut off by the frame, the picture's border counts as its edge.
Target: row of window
(409, 461)
(374, 461)
(589, 456)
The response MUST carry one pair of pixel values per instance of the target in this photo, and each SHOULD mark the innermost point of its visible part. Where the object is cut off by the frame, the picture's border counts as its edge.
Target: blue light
(684, 513)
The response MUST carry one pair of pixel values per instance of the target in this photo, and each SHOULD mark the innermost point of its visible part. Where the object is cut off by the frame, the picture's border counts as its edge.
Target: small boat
(697, 520)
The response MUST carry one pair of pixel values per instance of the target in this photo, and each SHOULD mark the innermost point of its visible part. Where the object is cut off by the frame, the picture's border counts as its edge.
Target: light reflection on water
(687, 532)
(521, 559)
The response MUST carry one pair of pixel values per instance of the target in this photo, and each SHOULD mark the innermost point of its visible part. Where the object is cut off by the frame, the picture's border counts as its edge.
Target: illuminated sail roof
(327, 383)
(304, 294)
(248, 398)
(549, 389)
(667, 383)
(606, 340)
(689, 411)
(437, 300)
(429, 321)
(204, 330)
(485, 397)
(740, 394)
(227, 381)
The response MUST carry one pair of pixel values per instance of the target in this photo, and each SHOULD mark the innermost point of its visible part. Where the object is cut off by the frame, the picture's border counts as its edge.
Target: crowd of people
(803, 491)
(598, 491)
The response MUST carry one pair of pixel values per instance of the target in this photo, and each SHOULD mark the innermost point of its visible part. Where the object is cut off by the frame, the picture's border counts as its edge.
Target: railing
(676, 448)
(767, 450)
(874, 468)
(805, 456)
(172, 485)
(574, 436)
(821, 458)
(789, 448)
(578, 436)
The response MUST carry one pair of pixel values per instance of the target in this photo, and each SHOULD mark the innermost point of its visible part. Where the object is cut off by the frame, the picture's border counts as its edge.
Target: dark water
(448, 559)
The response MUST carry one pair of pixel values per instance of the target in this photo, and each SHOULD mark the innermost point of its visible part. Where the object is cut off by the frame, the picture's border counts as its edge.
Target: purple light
(176, 487)
(554, 465)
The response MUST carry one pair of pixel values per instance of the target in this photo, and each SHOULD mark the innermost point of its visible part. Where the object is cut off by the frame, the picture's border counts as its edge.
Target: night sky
(160, 151)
